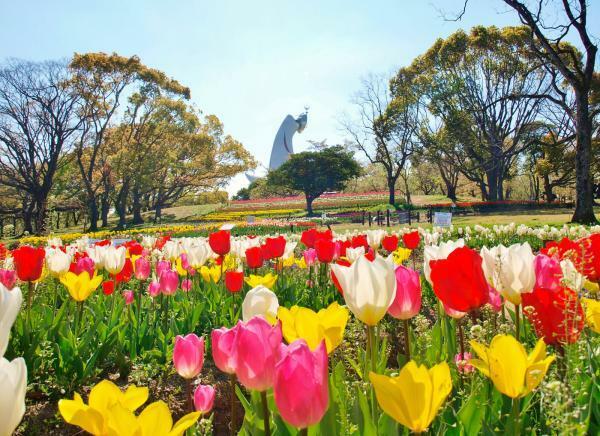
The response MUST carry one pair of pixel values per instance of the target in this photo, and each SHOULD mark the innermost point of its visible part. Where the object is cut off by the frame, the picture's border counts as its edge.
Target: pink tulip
(495, 301)
(301, 384)
(129, 296)
(223, 341)
(548, 272)
(310, 256)
(204, 398)
(161, 267)
(85, 264)
(188, 355)
(169, 280)
(8, 278)
(407, 302)
(337, 251)
(185, 264)
(142, 268)
(255, 352)
(186, 285)
(154, 289)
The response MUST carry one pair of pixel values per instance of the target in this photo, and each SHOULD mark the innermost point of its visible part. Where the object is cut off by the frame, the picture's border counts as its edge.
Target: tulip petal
(134, 397)
(535, 373)
(538, 353)
(156, 419)
(184, 423)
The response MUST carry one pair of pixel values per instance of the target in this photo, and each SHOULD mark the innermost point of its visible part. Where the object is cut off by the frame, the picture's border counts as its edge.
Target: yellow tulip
(111, 412)
(400, 255)
(179, 267)
(267, 280)
(507, 364)
(591, 286)
(289, 261)
(302, 323)
(592, 313)
(93, 417)
(415, 395)
(80, 286)
(301, 263)
(213, 273)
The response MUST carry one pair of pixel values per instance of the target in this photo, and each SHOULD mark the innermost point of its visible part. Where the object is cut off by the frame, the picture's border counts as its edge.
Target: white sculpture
(283, 145)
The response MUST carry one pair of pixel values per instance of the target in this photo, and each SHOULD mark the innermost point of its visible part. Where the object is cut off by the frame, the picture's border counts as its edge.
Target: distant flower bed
(241, 215)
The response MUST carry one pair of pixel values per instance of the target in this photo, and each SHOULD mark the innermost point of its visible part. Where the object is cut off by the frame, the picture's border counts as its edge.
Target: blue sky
(250, 63)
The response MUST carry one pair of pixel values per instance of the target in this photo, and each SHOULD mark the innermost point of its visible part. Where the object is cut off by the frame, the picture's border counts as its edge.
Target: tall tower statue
(283, 146)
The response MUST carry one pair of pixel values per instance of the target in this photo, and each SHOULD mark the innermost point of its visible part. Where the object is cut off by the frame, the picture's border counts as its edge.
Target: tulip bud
(301, 384)
(260, 301)
(142, 268)
(407, 301)
(188, 355)
(223, 342)
(204, 398)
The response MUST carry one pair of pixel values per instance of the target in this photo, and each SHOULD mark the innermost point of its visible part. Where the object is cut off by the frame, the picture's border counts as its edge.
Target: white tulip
(369, 288)
(571, 277)
(10, 304)
(289, 250)
(260, 301)
(438, 252)
(510, 270)
(352, 254)
(96, 253)
(197, 255)
(172, 250)
(114, 259)
(13, 383)
(374, 237)
(57, 261)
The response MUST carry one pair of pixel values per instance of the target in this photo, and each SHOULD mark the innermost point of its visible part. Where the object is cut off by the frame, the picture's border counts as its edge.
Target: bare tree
(38, 120)
(384, 131)
(551, 24)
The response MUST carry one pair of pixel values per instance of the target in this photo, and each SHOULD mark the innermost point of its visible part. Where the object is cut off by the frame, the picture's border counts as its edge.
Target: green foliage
(316, 172)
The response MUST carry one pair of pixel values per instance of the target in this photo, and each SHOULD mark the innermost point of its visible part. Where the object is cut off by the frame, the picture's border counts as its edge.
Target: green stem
(516, 417)
(190, 400)
(517, 321)
(266, 415)
(304, 432)
(372, 356)
(407, 339)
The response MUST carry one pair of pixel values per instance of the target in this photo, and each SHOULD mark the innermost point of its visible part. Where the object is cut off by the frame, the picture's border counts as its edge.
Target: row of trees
(105, 131)
(490, 104)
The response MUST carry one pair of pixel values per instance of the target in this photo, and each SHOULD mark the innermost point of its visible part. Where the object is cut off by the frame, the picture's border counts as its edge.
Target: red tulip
(411, 240)
(557, 316)
(309, 237)
(325, 250)
(103, 243)
(234, 280)
(220, 242)
(458, 280)
(134, 248)
(254, 257)
(274, 248)
(29, 262)
(125, 274)
(360, 241)
(108, 287)
(390, 243)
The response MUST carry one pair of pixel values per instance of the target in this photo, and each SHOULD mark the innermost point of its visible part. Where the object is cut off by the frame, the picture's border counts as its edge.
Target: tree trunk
(309, 202)
(93, 211)
(41, 211)
(451, 191)
(105, 208)
(136, 207)
(584, 197)
(158, 213)
(392, 190)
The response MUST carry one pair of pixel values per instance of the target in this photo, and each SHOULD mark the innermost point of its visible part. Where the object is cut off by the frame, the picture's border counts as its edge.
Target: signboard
(442, 219)
(403, 217)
